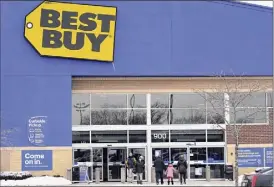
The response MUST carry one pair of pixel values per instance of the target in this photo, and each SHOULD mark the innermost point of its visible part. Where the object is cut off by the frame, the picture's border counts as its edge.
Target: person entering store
(130, 164)
(159, 169)
(182, 168)
(140, 168)
(170, 173)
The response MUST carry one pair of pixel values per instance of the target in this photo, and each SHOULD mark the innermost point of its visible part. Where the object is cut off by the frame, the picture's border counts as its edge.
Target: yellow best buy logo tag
(70, 30)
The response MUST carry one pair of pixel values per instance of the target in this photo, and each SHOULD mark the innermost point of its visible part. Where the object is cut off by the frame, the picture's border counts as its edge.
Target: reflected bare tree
(81, 107)
(233, 92)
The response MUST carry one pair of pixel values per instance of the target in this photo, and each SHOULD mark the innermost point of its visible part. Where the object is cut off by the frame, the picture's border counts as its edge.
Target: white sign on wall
(36, 130)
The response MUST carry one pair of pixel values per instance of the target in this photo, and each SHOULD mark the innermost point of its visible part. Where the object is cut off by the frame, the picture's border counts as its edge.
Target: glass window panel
(188, 135)
(97, 155)
(215, 100)
(137, 136)
(187, 116)
(162, 152)
(215, 135)
(160, 100)
(215, 115)
(176, 153)
(186, 100)
(81, 155)
(159, 136)
(80, 109)
(215, 154)
(198, 154)
(247, 99)
(159, 116)
(109, 117)
(108, 101)
(248, 115)
(201, 174)
(137, 117)
(137, 101)
(217, 171)
(269, 99)
(109, 136)
(80, 137)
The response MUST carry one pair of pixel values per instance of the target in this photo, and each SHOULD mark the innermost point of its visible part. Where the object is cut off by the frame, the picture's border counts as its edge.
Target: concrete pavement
(176, 183)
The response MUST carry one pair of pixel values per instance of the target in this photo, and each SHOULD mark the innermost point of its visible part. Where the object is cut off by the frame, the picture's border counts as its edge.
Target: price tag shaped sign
(69, 30)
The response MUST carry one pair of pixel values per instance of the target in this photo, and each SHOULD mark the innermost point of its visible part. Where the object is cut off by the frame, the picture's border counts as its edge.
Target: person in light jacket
(170, 173)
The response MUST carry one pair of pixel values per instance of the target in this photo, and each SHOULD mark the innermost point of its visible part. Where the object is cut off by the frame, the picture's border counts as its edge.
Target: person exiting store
(140, 168)
(159, 169)
(182, 168)
(170, 173)
(130, 164)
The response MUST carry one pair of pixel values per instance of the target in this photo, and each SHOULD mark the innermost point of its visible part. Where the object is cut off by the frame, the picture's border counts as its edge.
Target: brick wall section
(253, 134)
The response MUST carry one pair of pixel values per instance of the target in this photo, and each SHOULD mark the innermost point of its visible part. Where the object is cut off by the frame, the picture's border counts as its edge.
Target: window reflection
(198, 154)
(215, 116)
(159, 116)
(109, 117)
(186, 100)
(215, 154)
(80, 109)
(137, 117)
(159, 100)
(137, 136)
(217, 171)
(269, 99)
(109, 136)
(215, 136)
(108, 100)
(187, 116)
(244, 99)
(81, 155)
(248, 115)
(81, 137)
(188, 135)
(137, 101)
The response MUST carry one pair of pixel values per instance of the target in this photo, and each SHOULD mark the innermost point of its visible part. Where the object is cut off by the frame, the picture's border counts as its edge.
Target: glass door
(116, 160)
(81, 171)
(197, 162)
(97, 162)
(136, 153)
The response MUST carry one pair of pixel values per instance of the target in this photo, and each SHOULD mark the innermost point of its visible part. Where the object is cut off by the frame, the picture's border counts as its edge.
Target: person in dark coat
(130, 164)
(182, 168)
(140, 167)
(159, 169)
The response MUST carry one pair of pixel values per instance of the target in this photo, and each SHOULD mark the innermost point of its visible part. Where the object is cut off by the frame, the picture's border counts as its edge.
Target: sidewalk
(189, 183)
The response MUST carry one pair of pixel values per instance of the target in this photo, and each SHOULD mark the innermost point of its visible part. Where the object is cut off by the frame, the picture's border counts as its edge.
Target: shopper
(170, 173)
(159, 169)
(182, 168)
(130, 164)
(140, 167)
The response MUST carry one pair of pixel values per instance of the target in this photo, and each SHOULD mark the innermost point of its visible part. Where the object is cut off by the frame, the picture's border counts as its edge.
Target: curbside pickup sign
(36, 160)
(68, 30)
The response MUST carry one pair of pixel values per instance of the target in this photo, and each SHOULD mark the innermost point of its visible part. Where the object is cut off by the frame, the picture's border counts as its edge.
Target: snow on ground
(37, 181)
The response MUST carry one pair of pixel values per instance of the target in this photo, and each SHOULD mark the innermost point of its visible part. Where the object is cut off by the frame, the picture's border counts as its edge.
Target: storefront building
(127, 84)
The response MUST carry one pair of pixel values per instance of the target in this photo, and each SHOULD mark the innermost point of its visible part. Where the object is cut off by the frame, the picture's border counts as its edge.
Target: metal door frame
(109, 163)
(101, 165)
(146, 158)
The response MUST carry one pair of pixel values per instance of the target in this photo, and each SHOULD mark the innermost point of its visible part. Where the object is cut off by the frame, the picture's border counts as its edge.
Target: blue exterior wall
(152, 39)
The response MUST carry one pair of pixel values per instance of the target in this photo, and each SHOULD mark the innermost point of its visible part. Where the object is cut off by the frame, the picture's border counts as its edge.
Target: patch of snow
(37, 181)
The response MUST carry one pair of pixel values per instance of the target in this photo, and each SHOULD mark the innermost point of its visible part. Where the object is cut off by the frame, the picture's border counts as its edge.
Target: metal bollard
(153, 175)
(69, 174)
(123, 175)
(97, 175)
(208, 173)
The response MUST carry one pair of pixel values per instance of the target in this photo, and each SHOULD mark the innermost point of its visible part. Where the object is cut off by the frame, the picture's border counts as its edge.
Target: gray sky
(263, 3)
